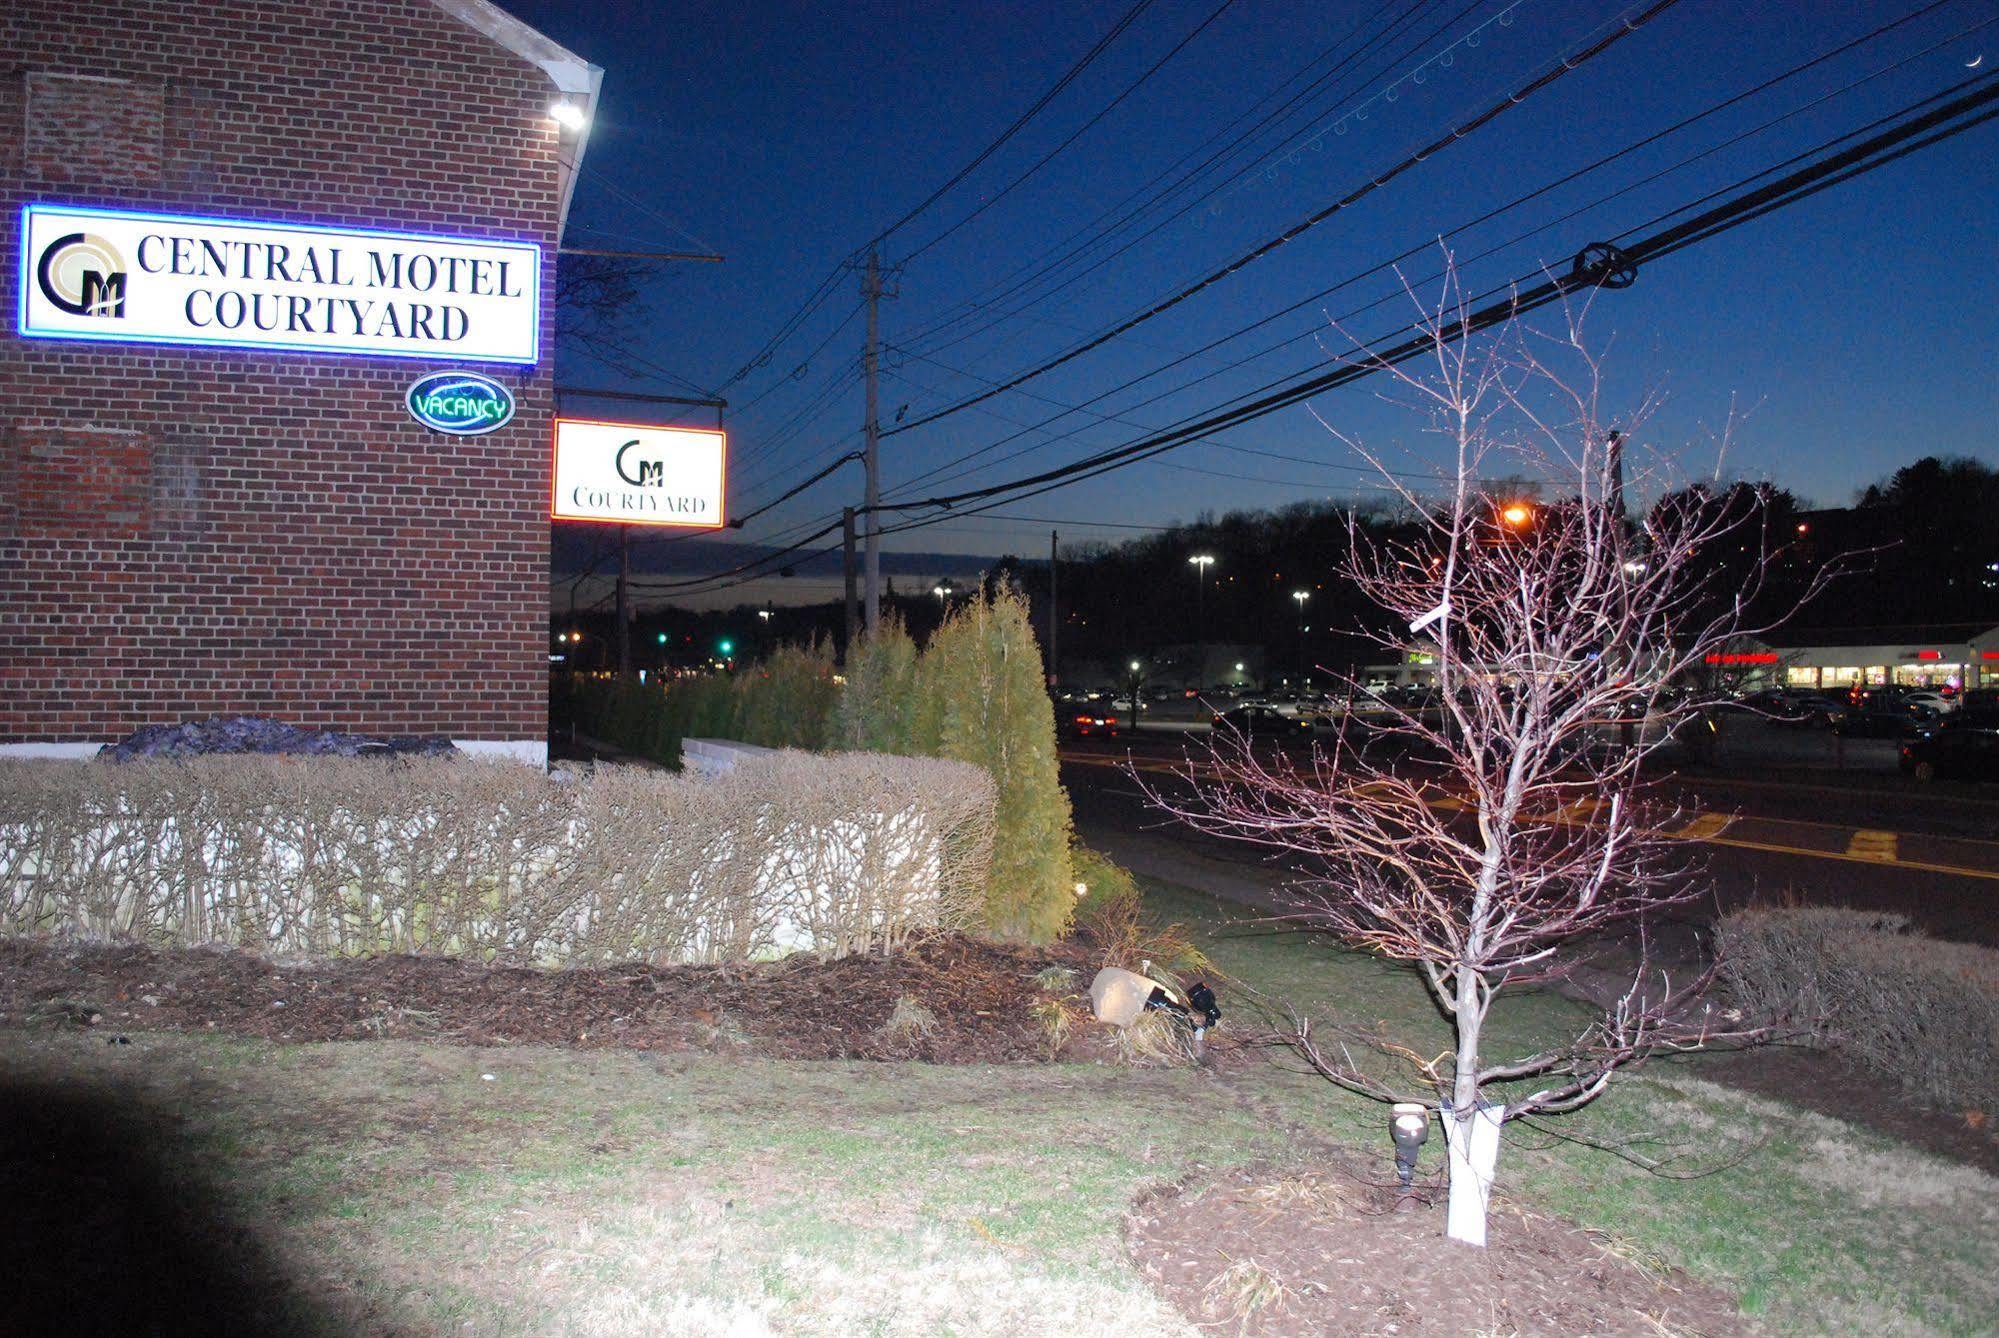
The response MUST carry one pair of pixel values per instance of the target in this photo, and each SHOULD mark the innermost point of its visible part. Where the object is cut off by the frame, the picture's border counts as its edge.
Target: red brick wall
(187, 532)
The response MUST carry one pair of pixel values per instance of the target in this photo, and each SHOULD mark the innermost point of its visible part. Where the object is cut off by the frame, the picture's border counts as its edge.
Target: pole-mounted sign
(638, 474)
(119, 276)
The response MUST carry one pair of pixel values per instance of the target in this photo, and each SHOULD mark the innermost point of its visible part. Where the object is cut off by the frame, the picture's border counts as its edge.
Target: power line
(1068, 77)
(1487, 216)
(1075, 135)
(1595, 266)
(1042, 266)
(1562, 67)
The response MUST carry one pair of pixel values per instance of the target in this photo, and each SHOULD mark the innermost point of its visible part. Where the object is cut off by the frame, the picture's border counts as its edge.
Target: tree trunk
(1473, 1143)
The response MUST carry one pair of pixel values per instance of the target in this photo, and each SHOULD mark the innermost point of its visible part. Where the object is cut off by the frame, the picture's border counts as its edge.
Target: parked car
(1883, 721)
(1954, 752)
(1931, 698)
(1812, 709)
(1265, 720)
(1084, 724)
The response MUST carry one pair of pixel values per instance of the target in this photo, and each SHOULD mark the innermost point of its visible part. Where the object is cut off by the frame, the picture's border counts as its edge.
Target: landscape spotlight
(1409, 1124)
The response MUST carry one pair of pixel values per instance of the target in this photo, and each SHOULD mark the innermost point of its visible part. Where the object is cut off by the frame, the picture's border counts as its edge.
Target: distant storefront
(1827, 659)
(1930, 657)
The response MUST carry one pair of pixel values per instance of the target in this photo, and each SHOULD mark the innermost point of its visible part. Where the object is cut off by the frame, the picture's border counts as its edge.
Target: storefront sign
(463, 404)
(110, 274)
(638, 474)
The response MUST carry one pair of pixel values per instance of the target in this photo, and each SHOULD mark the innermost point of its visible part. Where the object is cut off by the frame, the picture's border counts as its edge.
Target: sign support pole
(624, 601)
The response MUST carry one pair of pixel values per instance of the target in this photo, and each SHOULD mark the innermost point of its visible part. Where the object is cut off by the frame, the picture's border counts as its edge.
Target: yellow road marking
(1704, 828)
(1872, 845)
(1864, 847)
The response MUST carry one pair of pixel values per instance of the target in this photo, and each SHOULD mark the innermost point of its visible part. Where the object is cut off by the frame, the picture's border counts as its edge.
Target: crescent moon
(1975, 61)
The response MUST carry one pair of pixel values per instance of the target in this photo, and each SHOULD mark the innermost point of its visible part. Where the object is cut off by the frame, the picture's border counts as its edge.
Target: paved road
(1879, 851)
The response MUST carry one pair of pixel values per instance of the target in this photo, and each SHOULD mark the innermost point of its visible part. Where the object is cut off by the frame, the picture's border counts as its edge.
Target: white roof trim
(573, 77)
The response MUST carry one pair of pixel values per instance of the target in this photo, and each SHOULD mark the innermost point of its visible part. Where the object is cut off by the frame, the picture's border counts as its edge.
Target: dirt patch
(1324, 1252)
(949, 1000)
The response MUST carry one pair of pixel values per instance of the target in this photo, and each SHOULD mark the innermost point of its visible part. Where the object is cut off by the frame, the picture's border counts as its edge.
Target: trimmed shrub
(329, 856)
(876, 711)
(1923, 1011)
(787, 701)
(981, 698)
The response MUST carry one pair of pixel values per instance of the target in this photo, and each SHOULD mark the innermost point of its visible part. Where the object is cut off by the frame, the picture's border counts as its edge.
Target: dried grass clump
(1153, 1040)
(1110, 917)
(1924, 1011)
(329, 856)
(1242, 1290)
(907, 1023)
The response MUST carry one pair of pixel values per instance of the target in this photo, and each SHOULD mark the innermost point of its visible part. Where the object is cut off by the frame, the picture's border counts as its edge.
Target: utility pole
(1054, 619)
(871, 292)
(847, 568)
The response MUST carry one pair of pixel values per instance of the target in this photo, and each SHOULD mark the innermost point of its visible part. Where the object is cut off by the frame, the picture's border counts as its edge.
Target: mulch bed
(1266, 1255)
(978, 997)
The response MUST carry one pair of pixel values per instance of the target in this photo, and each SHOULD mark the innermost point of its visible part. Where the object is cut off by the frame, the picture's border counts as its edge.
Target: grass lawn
(430, 1188)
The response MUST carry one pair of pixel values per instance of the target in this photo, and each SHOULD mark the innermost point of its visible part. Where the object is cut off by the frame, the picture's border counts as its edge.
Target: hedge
(1923, 1011)
(329, 856)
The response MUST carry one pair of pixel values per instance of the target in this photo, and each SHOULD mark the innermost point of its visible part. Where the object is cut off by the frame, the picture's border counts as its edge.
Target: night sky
(1860, 326)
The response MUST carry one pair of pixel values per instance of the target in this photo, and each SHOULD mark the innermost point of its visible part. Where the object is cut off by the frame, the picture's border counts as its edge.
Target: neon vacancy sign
(119, 276)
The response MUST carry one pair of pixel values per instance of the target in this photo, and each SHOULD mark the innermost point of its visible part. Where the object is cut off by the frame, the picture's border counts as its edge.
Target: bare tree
(1477, 838)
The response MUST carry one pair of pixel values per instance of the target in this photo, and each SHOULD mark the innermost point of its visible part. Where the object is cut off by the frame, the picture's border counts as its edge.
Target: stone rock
(259, 734)
(1118, 996)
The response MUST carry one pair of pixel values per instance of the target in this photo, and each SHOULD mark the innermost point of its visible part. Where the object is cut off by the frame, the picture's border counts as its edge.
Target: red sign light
(1759, 657)
(1929, 655)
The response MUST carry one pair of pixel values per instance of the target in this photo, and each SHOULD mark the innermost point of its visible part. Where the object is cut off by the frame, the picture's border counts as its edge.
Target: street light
(1201, 562)
(1517, 514)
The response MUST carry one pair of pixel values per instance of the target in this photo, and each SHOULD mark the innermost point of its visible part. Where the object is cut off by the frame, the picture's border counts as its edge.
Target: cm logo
(82, 275)
(651, 473)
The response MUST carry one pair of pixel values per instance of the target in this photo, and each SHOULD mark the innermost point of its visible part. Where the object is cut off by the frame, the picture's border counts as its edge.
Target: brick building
(189, 527)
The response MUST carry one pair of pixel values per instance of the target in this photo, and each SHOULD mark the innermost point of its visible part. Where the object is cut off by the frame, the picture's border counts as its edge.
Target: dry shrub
(1925, 1011)
(329, 856)
(1110, 916)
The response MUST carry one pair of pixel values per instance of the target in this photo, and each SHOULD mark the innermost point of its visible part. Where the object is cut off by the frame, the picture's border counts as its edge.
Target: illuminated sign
(119, 276)
(1762, 657)
(638, 474)
(463, 404)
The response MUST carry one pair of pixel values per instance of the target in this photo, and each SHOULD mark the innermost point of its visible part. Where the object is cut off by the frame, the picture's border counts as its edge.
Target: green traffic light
(727, 647)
